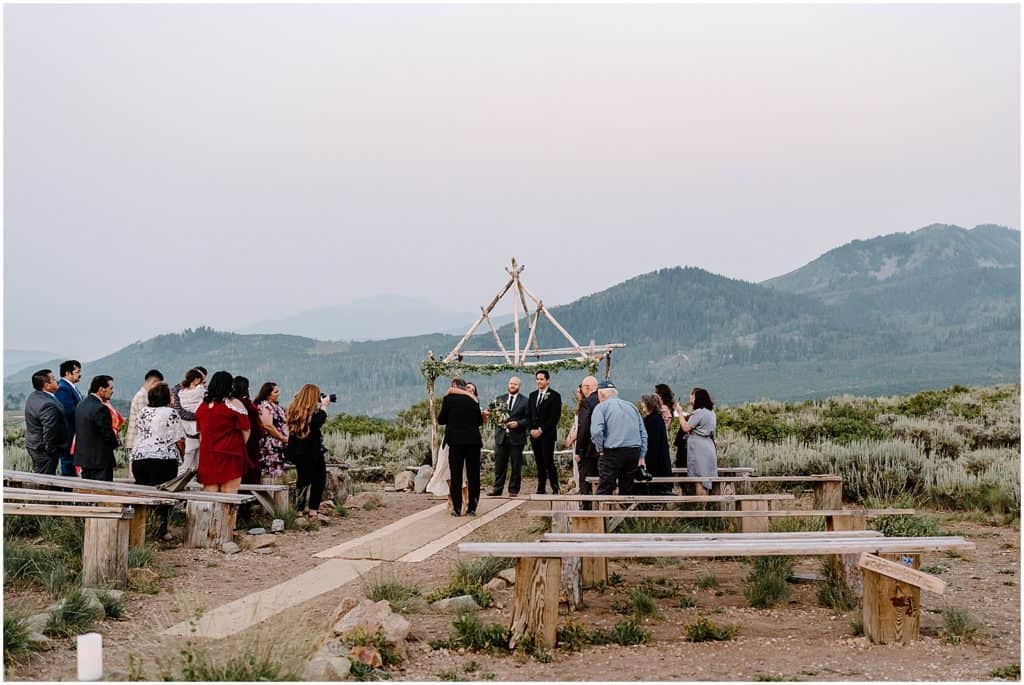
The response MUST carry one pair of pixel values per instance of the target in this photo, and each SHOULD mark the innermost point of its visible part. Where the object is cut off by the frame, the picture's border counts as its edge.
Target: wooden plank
(721, 469)
(570, 592)
(672, 537)
(244, 487)
(593, 571)
(71, 483)
(828, 495)
(535, 601)
(659, 499)
(902, 573)
(72, 510)
(845, 565)
(26, 495)
(739, 479)
(891, 609)
(772, 513)
(754, 524)
(105, 553)
(713, 548)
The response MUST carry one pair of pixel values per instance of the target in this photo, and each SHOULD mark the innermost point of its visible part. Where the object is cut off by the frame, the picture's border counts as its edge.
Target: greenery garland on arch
(436, 368)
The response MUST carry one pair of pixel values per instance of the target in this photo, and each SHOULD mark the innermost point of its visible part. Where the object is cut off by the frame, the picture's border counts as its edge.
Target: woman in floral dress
(275, 436)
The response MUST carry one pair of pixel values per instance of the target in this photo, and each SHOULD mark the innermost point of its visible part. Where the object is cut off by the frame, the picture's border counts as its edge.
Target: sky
(175, 166)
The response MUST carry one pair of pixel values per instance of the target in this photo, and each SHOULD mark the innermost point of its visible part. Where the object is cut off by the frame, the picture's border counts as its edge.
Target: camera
(642, 474)
(333, 397)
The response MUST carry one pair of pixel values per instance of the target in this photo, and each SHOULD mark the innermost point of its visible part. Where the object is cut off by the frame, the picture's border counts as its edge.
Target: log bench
(141, 505)
(538, 565)
(828, 488)
(722, 470)
(105, 541)
(209, 516)
(272, 497)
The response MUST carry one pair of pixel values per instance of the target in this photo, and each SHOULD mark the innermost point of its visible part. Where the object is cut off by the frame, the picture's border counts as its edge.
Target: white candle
(90, 657)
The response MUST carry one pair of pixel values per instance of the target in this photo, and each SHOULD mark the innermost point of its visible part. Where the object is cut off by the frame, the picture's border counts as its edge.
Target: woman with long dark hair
(223, 431)
(659, 464)
(701, 451)
(253, 467)
(307, 415)
(275, 431)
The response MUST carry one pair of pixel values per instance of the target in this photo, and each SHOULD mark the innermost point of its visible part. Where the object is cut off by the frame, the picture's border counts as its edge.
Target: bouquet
(498, 409)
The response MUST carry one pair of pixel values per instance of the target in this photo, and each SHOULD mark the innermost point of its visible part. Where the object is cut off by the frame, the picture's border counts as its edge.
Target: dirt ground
(800, 641)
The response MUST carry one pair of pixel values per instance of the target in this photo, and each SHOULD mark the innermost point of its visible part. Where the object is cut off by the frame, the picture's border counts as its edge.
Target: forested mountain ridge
(926, 324)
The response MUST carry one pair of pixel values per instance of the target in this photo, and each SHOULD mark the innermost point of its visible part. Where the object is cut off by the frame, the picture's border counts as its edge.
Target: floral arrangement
(498, 411)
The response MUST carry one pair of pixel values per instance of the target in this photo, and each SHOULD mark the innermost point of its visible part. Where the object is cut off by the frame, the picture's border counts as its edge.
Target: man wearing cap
(620, 440)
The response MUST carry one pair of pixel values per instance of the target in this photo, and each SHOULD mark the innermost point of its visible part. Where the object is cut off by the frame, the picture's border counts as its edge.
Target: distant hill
(901, 313)
(16, 360)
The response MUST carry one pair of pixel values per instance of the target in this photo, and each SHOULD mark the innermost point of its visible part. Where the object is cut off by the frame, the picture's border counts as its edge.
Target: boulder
(495, 584)
(366, 655)
(263, 550)
(257, 531)
(347, 605)
(36, 623)
(423, 476)
(277, 526)
(262, 542)
(321, 668)
(366, 500)
(227, 548)
(38, 640)
(403, 481)
(456, 604)
(368, 617)
(508, 575)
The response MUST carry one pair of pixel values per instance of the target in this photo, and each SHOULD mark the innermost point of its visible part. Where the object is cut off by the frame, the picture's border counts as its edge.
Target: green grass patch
(399, 595)
(707, 581)
(469, 633)
(377, 640)
(629, 633)
(907, 526)
(74, 615)
(766, 585)
(958, 626)
(1008, 672)
(638, 603)
(112, 606)
(835, 593)
(254, 664)
(45, 566)
(140, 557)
(16, 634)
(706, 630)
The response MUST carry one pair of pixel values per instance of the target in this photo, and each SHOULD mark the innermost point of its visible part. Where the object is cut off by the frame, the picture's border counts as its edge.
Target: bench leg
(281, 502)
(209, 524)
(535, 605)
(593, 570)
(845, 565)
(754, 524)
(266, 501)
(570, 592)
(828, 494)
(105, 553)
(892, 610)
(137, 527)
(727, 489)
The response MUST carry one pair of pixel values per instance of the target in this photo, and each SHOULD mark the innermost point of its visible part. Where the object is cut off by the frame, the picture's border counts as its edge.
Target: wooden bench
(105, 541)
(828, 488)
(723, 470)
(892, 598)
(272, 497)
(141, 505)
(209, 516)
(538, 565)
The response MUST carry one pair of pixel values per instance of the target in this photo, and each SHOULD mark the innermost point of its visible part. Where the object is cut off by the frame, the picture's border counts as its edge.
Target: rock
(36, 623)
(323, 520)
(38, 640)
(455, 604)
(257, 531)
(369, 617)
(508, 575)
(261, 542)
(321, 668)
(227, 548)
(263, 550)
(366, 500)
(347, 605)
(333, 647)
(327, 504)
(366, 655)
(277, 526)
(495, 584)
(390, 488)
(403, 481)
(423, 476)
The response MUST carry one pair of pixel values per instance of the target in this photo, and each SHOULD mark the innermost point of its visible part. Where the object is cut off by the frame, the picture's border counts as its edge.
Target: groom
(545, 410)
(510, 439)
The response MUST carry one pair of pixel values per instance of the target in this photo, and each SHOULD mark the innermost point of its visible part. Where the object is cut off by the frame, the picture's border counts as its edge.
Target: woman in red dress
(223, 430)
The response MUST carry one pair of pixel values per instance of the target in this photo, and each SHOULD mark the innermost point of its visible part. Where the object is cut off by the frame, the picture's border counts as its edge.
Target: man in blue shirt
(619, 438)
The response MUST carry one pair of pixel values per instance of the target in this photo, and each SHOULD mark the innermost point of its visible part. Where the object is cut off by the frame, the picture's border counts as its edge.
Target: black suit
(461, 416)
(45, 431)
(95, 439)
(509, 443)
(545, 417)
(585, 444)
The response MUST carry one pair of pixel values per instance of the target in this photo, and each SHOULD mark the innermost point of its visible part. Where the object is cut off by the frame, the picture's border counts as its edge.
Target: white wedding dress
(440, 482)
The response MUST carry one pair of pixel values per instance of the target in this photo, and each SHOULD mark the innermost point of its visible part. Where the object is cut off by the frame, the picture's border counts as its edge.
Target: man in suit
(461, 415)
(584, 453)
(510, 439)
(69, 397)
(95, 439)
(45, 430)
(545, 411)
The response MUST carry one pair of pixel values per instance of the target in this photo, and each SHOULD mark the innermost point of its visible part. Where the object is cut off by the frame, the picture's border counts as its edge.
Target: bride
(440, 482)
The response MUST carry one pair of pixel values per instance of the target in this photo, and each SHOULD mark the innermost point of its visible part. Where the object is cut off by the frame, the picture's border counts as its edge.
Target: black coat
(462, 418)
(659, 463)
(45, 428)
(519, 413)
(546, 416)
(95, 439)
(584, 441)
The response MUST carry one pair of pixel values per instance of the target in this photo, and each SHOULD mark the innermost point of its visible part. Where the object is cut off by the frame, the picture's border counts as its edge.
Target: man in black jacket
(45, 429)
(461, 415)
(584, 452)
(510, 439)
(95, 439)
(545, 411)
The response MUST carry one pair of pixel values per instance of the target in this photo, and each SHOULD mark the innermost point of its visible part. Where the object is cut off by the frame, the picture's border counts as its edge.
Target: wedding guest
(159, 444)
(461, 415)
(620, 440)
(224, 428)
(95, 438)
(45, 427)
(545, 411)
(668, 401)
(570, 439)
(509, 439)
(254, 467)
(68, 395)
(701, 451)
(307, 414)
(584, 454)
(139, 402)
(658, 461)
(275, 431)
(193, 389)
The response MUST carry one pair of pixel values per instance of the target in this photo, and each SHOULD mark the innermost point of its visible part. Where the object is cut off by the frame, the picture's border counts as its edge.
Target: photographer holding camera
(307, 415)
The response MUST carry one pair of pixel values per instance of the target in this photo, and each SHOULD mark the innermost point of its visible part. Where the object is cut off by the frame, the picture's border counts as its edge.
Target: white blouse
(159, 428)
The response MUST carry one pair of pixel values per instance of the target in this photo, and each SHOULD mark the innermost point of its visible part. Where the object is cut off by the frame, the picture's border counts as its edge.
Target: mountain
(16, 360)
(373, 318)
(901, 313)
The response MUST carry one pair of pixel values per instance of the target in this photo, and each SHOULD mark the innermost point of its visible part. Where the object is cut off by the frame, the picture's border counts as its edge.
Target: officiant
(510, 414)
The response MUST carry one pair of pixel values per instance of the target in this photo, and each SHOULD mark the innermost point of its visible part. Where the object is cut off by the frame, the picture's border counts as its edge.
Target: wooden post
(570, 576)
(433, 421)
(281, 501)
(892, 601)
(515, 310)
(105, 553)
(729, 489)
(535, 603)
(593, 570)
(137, 527)
(828, 494)
(845, 565)
(753, 524)
(209, 524)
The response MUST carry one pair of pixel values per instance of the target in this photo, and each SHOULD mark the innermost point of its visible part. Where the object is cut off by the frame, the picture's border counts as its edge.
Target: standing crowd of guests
(207, 426)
